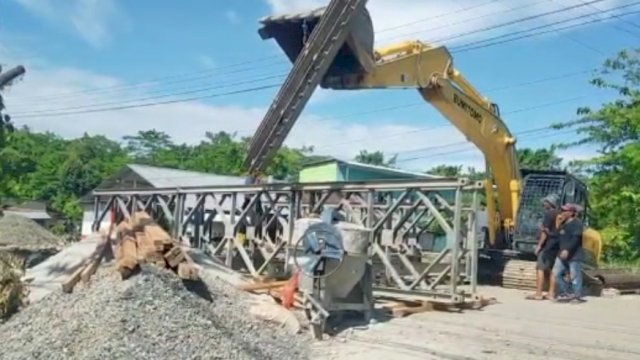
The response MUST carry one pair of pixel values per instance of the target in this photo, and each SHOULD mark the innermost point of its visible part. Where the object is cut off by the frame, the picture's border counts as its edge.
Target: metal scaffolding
(251, 228)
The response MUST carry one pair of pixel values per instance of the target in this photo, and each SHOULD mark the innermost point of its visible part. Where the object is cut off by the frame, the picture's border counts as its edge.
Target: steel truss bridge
(252, 228)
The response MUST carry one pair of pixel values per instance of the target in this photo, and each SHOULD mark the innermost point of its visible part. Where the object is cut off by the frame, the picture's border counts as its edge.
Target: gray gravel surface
(152, 315)
(16, 230)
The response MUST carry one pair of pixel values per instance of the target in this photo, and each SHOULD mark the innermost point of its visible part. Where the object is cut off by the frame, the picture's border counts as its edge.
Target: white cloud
(578, 153)
(188, 122)
(92, 20)
(444, 21)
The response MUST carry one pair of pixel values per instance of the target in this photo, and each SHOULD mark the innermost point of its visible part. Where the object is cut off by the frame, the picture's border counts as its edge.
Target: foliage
(539, 159)
(613, 175)
(375, 158)
(44, 166)
(446, 170)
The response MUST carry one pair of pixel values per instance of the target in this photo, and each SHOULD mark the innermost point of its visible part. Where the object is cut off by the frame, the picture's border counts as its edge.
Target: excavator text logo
(467, 108)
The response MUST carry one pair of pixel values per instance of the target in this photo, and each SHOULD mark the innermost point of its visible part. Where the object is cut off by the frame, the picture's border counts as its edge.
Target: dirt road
(602, 328)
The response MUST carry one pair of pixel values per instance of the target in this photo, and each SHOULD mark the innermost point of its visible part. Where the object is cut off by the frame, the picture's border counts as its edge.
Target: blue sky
(72, 47)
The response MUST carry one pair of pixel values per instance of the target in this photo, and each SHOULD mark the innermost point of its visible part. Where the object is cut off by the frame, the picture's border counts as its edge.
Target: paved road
(602, 329)
(49, 275)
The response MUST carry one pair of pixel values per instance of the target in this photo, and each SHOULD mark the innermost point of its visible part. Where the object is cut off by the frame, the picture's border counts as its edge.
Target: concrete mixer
(335, 272)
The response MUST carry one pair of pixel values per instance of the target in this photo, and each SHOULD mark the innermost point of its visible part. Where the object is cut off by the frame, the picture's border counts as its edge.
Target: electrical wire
(455, 12)
(510, 35)
(125, 107)
(422, 129)
(187, 99)
(186, 77)
(187, 92)
(155, 81)
(514, 22)
(464, 21)
(473, 149)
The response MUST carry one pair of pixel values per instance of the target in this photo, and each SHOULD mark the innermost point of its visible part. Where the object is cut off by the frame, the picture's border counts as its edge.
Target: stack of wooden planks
(141, 240)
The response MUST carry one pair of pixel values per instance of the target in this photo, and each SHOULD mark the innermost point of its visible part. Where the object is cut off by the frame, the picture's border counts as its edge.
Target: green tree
(614, 128)
(446, 170)
(539, 159)
(375, 158)
(146, 145)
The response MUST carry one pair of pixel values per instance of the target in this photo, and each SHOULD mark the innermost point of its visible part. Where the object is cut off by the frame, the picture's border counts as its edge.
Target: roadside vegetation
(45, 166)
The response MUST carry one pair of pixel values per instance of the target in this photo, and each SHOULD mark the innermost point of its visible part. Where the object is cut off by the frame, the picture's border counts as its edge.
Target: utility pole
(6, 79)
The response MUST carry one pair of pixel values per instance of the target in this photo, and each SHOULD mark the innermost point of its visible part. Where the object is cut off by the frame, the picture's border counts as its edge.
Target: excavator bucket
(291, 32)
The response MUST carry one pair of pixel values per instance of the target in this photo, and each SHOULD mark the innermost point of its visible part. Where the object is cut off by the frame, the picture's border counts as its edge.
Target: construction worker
(547, 248)
(571, 254)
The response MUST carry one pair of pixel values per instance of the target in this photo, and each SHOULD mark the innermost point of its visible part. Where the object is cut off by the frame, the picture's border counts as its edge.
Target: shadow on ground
(198, 287)
(339, 323)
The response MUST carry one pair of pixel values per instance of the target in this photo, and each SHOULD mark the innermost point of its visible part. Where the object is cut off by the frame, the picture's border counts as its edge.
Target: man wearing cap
(571, 254)
(547, 248)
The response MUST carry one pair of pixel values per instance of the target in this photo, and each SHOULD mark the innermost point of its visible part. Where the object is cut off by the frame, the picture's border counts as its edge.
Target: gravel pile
(19, 231)
(152, 315)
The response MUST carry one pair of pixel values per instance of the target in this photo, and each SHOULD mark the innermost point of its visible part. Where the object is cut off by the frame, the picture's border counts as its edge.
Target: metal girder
(255, 225)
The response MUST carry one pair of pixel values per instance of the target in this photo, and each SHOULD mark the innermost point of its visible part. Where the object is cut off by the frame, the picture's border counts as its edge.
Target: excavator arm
(430, 70)
(332, 47)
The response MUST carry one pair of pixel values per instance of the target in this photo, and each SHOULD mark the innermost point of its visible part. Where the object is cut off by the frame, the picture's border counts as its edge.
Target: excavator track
(308, 70)
(521, 275)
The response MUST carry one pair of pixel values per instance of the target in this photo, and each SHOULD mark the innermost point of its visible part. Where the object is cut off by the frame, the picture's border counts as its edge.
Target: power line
(428, 128)
(492, 14)
(155, 81)
(458, 151)
(468, 47)
(619, 18)
(208, 96)
(152, 89)
(214, 95)
(516, 21)
(186, 77)
(455, 12)
(192, 91)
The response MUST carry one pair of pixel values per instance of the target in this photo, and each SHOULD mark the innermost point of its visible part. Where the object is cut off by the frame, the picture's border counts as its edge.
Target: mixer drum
(342, 270)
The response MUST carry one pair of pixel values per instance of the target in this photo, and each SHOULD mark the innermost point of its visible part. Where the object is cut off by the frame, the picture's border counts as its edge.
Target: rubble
(152, 315)
(19, 231)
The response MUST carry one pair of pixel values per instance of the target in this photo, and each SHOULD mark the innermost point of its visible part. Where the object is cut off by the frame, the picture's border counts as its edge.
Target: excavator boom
(356, 65)
(342, 57)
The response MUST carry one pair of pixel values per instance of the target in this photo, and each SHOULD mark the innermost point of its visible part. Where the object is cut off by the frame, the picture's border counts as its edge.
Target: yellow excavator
(333, 47)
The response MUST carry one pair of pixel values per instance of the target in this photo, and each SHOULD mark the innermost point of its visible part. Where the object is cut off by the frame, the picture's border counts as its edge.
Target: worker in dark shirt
(547, 248)
(571, 254)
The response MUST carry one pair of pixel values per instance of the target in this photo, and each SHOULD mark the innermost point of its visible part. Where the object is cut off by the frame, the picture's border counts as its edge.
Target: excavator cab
(537, 184)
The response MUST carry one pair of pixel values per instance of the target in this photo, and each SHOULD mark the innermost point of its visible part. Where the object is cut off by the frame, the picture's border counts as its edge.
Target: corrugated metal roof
(167, 178)
(30, 214)
(372, 167)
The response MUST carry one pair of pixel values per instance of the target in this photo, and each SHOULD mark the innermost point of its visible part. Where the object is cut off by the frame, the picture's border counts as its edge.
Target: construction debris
(141, 241)
(24, 240)
(153, 315)
(17, 230)
(23, 244)
(13, 294)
